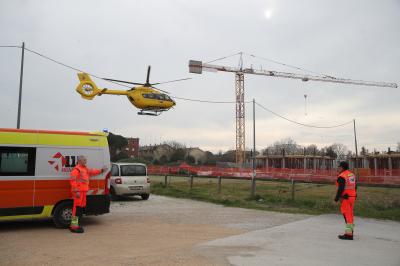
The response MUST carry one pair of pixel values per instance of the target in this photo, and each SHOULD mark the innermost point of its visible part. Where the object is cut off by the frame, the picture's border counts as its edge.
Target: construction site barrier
(365, 176)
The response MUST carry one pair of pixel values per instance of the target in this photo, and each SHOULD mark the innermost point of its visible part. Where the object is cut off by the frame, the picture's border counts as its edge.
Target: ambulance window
(17, 161)
(114, 170)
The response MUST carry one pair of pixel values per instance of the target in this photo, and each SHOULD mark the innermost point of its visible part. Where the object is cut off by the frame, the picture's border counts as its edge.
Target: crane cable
(271, 60)
(224, 57)
(288, 65)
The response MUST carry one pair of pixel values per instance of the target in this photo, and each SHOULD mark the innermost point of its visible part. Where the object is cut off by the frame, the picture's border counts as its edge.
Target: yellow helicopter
(150, 100)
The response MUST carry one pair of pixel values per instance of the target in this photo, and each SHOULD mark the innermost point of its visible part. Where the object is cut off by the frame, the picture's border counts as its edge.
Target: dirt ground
(160, 231)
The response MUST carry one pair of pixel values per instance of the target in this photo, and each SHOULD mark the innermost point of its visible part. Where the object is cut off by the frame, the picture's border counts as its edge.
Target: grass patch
(372, 202)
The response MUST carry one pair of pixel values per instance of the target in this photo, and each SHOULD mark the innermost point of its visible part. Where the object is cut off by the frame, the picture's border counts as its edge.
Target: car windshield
(133, 170)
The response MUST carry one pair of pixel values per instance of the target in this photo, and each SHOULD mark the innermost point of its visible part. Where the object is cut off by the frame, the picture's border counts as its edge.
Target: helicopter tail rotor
(87, 88)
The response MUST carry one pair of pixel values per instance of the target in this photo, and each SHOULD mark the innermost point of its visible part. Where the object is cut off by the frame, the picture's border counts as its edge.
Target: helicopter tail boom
(88, 89)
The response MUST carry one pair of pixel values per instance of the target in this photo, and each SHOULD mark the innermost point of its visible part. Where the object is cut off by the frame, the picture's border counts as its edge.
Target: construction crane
(198, 67)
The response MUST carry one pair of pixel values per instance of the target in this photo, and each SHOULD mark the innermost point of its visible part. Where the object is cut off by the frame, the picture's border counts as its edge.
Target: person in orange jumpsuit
(79, 180)
(346, 193)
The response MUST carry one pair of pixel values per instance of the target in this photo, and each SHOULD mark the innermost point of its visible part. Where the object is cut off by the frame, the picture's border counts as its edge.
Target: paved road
(311, 242)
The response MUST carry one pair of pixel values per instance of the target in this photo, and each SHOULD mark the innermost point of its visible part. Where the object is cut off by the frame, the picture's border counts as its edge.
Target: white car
(129, 179)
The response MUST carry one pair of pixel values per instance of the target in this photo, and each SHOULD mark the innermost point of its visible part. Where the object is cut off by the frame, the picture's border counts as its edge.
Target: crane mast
(198, 67)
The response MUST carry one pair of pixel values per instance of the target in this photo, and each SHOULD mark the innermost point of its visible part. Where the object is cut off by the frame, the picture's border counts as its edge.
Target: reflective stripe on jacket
(79, 178)
(350, 183)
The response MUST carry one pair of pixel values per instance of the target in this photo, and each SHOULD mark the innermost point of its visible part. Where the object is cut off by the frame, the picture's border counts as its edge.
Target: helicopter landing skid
(155, 113)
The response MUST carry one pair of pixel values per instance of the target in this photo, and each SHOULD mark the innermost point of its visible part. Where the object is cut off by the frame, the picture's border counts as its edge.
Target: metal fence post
(293, 189)
(253, 186)
(191, 182)
(165, 180)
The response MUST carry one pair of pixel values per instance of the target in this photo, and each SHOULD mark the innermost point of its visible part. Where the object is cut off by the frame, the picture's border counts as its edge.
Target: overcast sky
(118, 39)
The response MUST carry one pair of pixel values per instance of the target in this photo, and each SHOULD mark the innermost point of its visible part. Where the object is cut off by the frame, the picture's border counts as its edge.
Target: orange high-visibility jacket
(79, 178)
(350, 183)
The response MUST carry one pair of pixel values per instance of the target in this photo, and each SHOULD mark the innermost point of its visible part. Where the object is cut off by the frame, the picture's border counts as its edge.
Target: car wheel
(62, 214)
(145, 196)
(113, 194)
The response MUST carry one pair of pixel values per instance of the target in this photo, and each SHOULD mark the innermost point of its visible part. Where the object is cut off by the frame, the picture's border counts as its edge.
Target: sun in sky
(268, 13)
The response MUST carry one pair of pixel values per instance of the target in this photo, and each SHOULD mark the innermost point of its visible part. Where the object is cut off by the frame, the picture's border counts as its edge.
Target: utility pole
(355, 143)
(253, 177)
(20, 86)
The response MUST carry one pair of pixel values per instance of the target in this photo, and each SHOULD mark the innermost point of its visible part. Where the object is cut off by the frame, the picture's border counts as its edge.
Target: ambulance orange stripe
(19, 193)
(16, 193)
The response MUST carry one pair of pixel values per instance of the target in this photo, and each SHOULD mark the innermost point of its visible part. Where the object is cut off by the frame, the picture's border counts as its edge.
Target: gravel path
(160, 231)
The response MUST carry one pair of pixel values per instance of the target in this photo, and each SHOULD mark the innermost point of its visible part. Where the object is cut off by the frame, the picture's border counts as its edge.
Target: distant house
(161, 153)
(132, 149)
(197, 154)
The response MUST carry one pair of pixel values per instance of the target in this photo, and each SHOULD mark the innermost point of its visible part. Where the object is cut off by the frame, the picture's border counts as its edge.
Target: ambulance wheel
(62, 214)
(145, 196)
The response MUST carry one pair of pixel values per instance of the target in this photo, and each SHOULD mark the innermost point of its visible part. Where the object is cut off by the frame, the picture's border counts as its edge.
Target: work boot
(75, 227)
(78, 229)
(345, 237)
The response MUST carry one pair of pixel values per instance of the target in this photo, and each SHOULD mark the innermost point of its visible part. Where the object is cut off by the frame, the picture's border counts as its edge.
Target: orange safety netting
(365, 176)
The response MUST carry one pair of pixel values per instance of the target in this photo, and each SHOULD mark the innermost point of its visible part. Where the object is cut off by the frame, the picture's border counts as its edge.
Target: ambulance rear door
(17, 175)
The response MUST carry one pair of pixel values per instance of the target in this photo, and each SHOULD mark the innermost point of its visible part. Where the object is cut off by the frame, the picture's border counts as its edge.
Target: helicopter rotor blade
(166, 92)
(123, 81)
(175, 80)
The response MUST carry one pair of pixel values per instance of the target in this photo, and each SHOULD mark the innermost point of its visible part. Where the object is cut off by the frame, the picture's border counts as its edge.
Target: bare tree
(364, 151)
(175, 145)
(312, 149)
(288, 144)
(340, 150)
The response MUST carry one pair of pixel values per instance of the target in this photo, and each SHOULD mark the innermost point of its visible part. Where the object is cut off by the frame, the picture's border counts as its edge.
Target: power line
(204, 101)
(10, 46)
(71, 67)
(80, 70)
(176, 97)
(298, 123)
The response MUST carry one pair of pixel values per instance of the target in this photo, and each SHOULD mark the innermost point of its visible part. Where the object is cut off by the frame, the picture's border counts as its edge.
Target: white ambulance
(34, 173)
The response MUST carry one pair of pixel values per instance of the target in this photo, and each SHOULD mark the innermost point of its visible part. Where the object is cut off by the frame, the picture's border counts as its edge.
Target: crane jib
(198, 67)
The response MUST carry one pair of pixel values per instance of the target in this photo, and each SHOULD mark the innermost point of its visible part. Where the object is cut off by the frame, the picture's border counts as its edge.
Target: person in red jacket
(346, 193)
(79, 180)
